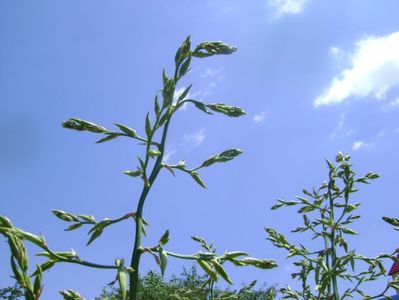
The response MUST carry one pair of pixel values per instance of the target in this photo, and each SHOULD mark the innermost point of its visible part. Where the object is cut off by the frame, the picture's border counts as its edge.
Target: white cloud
(168, 154)
(212, 84)
(381, 136)
(288, 7)
(340, 129)
(212, 73)
(259, 118)
(390, 106)
(373, 71)
(194, 139)
(358, 144)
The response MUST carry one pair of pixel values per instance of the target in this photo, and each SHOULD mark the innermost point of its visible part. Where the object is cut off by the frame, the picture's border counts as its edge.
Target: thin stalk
(327, 256)
(211, 288)
(136, 253)
(332, 241)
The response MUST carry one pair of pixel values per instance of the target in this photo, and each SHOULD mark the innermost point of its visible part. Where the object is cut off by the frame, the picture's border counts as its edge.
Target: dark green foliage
(11, 293)
(190, 285)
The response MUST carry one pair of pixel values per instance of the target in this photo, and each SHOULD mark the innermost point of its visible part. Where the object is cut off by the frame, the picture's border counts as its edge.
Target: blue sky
(315, 77)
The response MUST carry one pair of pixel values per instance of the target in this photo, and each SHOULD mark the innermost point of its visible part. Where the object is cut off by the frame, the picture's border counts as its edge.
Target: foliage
(11, 293)
(153, 138)
(327, 215)
(189, 285)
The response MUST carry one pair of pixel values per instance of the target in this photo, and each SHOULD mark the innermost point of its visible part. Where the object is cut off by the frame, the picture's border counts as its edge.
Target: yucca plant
(331, 271)
(150, 164)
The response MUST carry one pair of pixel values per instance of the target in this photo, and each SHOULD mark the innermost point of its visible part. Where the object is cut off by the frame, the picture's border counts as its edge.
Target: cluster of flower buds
(206, 49)
(82, 125)
(71, 295)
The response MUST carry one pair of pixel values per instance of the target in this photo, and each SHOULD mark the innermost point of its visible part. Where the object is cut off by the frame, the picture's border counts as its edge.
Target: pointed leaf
(148, 125)
(163, 256)
(218, 267)
(127, 130)
(107, 138)
(196, 177)
(164, 239)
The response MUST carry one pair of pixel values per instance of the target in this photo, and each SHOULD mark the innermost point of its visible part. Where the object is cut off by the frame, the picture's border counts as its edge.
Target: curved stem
(136, 254)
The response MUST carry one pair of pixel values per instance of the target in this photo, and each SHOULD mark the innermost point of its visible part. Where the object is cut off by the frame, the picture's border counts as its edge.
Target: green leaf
(372, 175)
(163, 256)
(157, 108)
(127, 130)
(185, 93)
(218, 267)
(122, 280)
(234, 254)
(169, 168)
(148, 125)
(87, 218)
(330, 164)
(165, 78)
(133, 173)
(201, 106)
(94, 236)
(183, 51)
(391, 221)
(184, 67)
(17, 272)
(394, 284)
(163, 119)
(97, 230)
(196, 177)
(5, 222)
(164, 239)
(222, 157)
(37, 285)
(74, 226)
(348, 230)
(45, 266)
(108, 137)
(208, 269)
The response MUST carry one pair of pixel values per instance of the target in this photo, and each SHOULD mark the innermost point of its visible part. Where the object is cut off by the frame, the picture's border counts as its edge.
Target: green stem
(327, 257)
(332, 240)
(211, 288)
(136, 254)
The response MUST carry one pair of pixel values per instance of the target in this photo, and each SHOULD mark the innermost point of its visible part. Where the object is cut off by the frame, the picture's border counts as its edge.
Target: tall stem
(136, 253)
(332, 240)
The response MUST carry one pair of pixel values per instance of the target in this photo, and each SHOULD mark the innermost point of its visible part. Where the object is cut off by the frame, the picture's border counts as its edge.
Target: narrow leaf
(196, 177)
(127, 130)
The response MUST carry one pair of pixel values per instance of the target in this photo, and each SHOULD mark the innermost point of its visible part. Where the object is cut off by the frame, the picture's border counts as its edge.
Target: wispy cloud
(209, 72)
(373, 71)
(288, 7)
(361, 144)
(168, 154)
(194, 139)
(390, 105)
(259, 118)
(341, 129)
